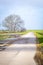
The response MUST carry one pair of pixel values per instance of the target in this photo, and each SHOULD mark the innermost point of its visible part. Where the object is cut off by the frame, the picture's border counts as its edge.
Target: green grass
(5, 34)
(41, 44)
(2, 37)
(38, 33)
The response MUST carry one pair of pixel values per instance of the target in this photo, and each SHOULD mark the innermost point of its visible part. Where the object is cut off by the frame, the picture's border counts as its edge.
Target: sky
(31, 11)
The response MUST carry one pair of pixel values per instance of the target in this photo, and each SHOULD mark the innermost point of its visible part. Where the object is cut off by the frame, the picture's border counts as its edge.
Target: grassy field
(38, 33)
(6, 34)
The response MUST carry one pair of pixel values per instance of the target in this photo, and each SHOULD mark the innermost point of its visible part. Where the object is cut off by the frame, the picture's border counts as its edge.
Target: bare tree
(13, 23)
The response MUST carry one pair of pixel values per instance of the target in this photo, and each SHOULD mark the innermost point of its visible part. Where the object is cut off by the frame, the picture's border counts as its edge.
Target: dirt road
(19, 54)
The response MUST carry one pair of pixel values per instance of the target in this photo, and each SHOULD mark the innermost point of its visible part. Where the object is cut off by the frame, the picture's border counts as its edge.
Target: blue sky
(31, 11)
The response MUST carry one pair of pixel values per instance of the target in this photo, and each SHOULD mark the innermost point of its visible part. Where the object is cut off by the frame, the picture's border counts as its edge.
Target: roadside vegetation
(6, 34)
(9, 34)
(39, 35)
